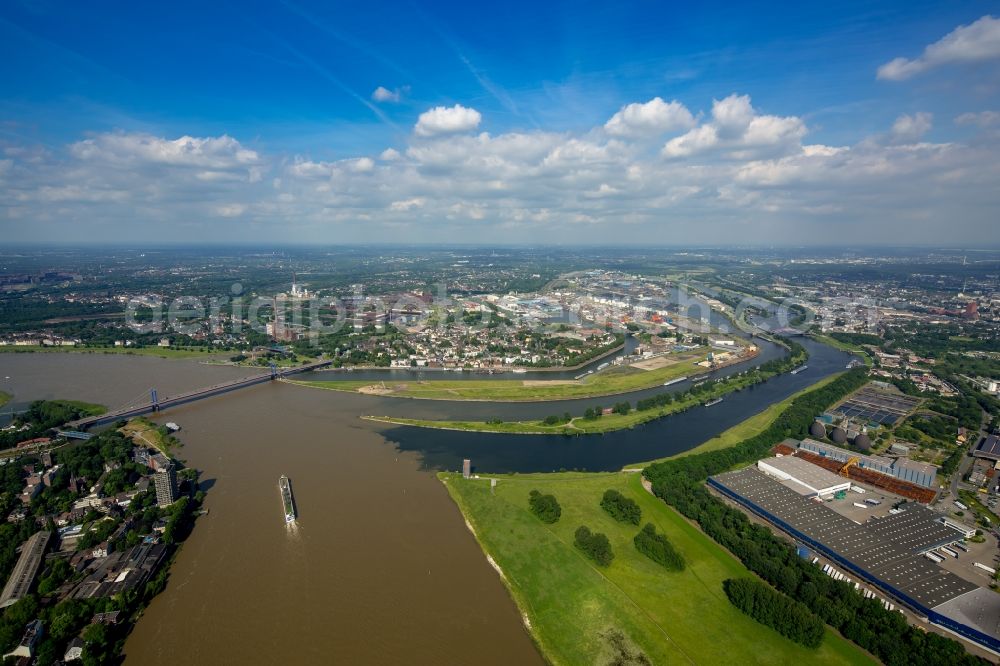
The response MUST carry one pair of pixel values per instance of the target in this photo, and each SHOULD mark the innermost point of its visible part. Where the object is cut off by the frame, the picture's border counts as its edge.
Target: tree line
(763, 603)
(886, 634)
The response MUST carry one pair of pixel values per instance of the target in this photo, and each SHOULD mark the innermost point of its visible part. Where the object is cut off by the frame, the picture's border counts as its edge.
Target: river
(380, 568)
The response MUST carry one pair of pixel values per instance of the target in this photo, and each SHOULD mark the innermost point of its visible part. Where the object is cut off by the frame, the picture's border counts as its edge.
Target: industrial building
(887, 552)
(903, 469)
(26, 568)
(988, 448)
(803, 477)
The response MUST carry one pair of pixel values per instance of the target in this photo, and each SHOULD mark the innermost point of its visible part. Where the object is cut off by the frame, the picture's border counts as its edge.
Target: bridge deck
(190, 396)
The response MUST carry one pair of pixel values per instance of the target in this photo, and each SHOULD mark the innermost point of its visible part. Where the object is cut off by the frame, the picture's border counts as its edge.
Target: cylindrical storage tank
(817, 430)
(863, 442)
(839, 435)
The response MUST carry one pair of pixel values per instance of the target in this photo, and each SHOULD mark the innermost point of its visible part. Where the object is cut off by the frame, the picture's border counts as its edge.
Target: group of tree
(621, 508)
(555, 419)
(857, 338)
(763, 603)
(885, 634)
(545, 507)
(43, 415)
(594, 545)
(622, 408)
(658, 548)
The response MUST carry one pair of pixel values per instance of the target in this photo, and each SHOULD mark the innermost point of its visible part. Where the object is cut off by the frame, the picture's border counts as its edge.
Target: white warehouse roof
(803, 477)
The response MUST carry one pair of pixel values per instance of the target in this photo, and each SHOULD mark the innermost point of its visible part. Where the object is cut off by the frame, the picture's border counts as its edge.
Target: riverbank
(594, 422)
(159, 352)
(578, 425)
(844, 346)
(151, 434)
(73, 586)
(665, 615)
(571, 605)
(613, 381)
(4, 398)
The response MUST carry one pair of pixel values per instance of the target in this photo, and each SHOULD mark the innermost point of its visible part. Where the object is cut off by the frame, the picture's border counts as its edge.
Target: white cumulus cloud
(971, 43)
(590, 185)
(447, 120)
(911, 128)
(649, 118)
(735, 126)
(127, 149)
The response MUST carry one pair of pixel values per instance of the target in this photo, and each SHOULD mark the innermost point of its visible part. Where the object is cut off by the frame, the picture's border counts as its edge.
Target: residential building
(165, 481)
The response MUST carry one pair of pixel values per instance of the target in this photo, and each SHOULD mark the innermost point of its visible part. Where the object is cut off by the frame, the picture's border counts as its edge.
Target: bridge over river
(156, 404)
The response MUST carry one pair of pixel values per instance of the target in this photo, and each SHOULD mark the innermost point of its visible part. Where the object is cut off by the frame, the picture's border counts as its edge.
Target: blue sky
(119, 120)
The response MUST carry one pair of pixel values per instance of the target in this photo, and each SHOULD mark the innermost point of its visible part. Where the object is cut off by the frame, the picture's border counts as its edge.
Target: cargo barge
(287, 501)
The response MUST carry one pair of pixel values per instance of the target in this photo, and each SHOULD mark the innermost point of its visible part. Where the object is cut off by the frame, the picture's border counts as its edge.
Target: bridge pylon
(153, 400)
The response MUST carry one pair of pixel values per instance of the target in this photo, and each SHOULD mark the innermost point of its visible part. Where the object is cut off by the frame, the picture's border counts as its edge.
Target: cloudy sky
(645, 123)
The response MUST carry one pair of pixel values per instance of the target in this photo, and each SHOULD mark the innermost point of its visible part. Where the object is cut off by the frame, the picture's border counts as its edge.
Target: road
(966, 462)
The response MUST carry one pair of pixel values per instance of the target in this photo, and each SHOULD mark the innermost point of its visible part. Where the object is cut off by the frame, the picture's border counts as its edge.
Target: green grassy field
(570, 602)
(4, 398)
(149, 433)
(576, 426)
(161, 352)
(598, 384)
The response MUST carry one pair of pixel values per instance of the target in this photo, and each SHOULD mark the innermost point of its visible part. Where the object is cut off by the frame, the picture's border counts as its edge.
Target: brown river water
(380, 568)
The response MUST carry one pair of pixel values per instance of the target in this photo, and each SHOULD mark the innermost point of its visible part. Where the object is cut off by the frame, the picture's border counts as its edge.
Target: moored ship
(287, 501)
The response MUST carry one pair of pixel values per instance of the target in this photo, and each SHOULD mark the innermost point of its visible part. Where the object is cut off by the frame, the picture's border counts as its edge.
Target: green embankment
(4, 398)
(603, 424)
(161, 352)
(85, 408)
(610, 382)
(577, 426)
(672, 617)
(844, 346)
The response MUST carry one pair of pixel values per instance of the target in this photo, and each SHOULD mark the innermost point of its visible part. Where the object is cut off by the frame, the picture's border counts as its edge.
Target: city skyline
(632, 126)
